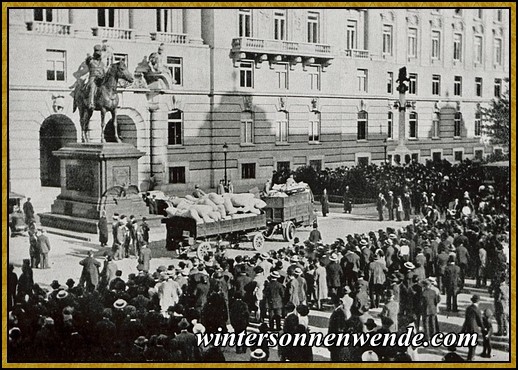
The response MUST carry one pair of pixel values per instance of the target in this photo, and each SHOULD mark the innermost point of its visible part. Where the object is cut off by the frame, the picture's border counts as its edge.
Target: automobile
(17, 225)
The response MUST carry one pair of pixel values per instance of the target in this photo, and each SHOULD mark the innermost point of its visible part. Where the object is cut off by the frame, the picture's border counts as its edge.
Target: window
(498, 87)
(498, 152)
(248, 171)
(313, 27)
(350, 35)
(457, 86)
(246, 74)
(458, 154)
(436, 156)
(363, 161)
(56, 60)
(314, 128)
(247, 128)
(281, 131)
(478, 86)
(479, 154)
(362, 126)
(177, 175)
(478, 123)
(412, 43)
(457, 47)
(43, 15)
(390, 132)
(387, 40)
(175, 67)
(457, 124)
(478, 49)
(436, 125)
(390, 82)
(436, 85)
(245, 23)
(436, 45)
(283, 166)
(314, 77)
(479, 13)
(281, 72)
(499, 15)
(164, 20)
(415, 157)
(174, 128)
(412, 125)
(498, 51)
(316, 164)
(362, 80)
(412, 83)
(279, 25)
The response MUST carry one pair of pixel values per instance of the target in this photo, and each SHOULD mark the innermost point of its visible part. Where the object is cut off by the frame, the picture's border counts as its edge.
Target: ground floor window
(177, 175)
(248, 171)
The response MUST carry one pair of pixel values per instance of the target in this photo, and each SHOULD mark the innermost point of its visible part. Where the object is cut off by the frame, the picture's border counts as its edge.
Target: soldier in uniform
(96, 69)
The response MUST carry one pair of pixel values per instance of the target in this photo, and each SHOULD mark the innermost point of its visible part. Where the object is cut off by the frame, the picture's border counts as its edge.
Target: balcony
(49, 28)
(357, 54)
(281, 47)
(113, 33)
(169, 38)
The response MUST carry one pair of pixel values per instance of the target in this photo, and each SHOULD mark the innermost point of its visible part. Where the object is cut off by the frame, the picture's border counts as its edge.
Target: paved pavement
(67, 252)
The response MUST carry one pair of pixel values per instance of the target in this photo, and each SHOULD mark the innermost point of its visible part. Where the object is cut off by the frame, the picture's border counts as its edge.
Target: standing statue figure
(100, 92)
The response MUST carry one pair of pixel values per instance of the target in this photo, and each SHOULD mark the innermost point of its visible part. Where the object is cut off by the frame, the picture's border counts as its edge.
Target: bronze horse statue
(106, 99)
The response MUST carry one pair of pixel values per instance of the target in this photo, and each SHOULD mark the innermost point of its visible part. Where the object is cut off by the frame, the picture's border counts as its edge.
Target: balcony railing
(358, 54)
(247, 44)
(113, 33)
(49, 28)
(169, 38)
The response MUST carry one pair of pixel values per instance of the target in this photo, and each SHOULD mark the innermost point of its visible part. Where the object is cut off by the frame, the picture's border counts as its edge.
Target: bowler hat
(370, 324)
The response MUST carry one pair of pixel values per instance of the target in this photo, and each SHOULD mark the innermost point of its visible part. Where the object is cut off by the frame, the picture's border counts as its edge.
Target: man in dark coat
(451, 284)
(28, 211)
(44, 245)
(347, 199)
(472, 323)
(239, 317)
(274, 294)
(90, 274)
(429, 301)
(12, 284)
(380, 205)
(390, 205)
(351, 266)
(440, 269)
(102, 225)
(463, 260)
(187, 343)
(334, 275)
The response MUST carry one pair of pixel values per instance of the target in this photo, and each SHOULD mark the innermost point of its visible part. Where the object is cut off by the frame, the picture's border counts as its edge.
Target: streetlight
(385, 152)
(225, 149)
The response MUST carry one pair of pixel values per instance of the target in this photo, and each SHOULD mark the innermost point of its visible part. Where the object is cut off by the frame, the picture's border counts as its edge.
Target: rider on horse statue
(97, 69)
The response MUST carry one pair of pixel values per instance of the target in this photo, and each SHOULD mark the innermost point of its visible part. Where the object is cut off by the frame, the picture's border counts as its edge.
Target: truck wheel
(258, 241)
(288, 231)
(203, 249)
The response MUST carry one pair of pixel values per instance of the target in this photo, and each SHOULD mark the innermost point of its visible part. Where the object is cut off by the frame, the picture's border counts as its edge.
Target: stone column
(401, 125)
(158, 143)
(82, 21)
(142, 21)
(192, 25)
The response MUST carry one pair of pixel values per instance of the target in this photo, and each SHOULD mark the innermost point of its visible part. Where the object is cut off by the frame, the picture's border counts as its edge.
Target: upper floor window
(314, 127)
(313, 27)
(436, 45)
(498, 51)
(247, 128)
(412, 83)
(478, 123)
(362, 75)
(387, 39)
(499, 15)
(56, 65)
(175, 65)
(390, 122)
(390, 82)
(457, 124)
(479, 13)
(281, 71)
(478, 86)
(246, 74)
(279, 25)
(457, 86)
(174, 128)
(314, 77)
(362, 125)
(498, 87)
(169, 20)
(44, 15)
(245, 22)
(113, 18)
(412, 43)
(478, 49)
(436, 85)
(457, 47)
(412, 125)
(350, 35)
(282, 127)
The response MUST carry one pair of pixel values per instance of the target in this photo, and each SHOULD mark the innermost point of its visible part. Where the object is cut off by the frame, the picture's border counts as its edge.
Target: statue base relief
(95, 177)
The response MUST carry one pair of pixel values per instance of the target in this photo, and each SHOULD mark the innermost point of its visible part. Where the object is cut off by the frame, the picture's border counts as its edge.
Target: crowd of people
(155, 315)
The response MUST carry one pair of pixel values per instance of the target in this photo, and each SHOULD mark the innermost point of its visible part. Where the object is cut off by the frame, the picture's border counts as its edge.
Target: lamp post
(225, 150)
(385, 150)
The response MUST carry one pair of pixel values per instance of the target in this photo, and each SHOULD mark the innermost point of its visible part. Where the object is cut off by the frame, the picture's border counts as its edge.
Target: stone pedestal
(95, 176)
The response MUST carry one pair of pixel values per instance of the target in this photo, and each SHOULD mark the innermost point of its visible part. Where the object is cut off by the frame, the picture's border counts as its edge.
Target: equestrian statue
(99, 93)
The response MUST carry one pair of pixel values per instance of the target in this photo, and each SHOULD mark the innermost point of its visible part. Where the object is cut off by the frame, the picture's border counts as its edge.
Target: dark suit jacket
(351, 262)
(334, 275)
(274, 294)
(442, 263)
(462, 255)
(451, 278)
(473, 320)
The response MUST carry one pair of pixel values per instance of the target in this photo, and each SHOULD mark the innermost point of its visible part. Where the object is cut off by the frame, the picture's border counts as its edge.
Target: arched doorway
(127, 130)
(55, 132)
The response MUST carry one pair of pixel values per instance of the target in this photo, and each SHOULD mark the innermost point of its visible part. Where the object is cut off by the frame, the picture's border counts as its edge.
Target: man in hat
(390, 311)
(239, 318)
(334, 276)
(274, 295)
(463, 260)
(351, 265)
(187, 342)
(145, 257)
(452, 278)
(292, 290)
(96, 69)
(380, 205)
(90, 274)
(198, 193)
(302, 285)
(44, 243)
(473, 323)
(314, 235)
(429, 301)
(377, 280)
(390, 205)
(258, 356)
(441, 263)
